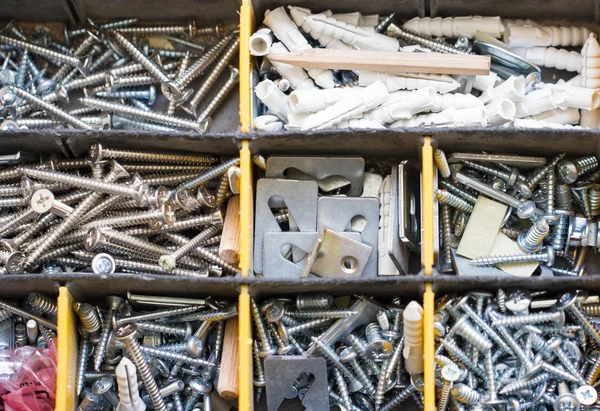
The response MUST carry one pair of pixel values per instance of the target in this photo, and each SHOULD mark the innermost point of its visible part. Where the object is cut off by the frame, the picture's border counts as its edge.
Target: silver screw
(218, 99)
(169, 261)
(185, 62)
(416, 385)
(348, 355)
(114, 303)
(188, 29)
(445, 197)
(570, 170)
(334, 360)
(84, 352)
(138, 56)
(531, 241)
(149, 94)
(259, 371)
(265, 342)
(103, 386)
(547, 256)
(43, 303)
(164, 214)
(428, 42)
(463, 328)
(567, 302)
(209, 175)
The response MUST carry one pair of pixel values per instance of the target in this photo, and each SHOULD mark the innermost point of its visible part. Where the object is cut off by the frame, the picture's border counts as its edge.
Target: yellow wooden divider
(67, 352)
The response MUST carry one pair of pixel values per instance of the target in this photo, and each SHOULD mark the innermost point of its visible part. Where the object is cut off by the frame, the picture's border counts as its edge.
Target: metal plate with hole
(348, 214)
(282, 371)
(275, 265)
(300, 198)
(409, 205)
(341, 257)
(329, 172)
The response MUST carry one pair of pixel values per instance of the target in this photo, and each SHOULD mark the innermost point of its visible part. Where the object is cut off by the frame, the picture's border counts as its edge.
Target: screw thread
(128, 219)
(222, 190)
(231, 50)
(461, 356)
(343, 388)
(201, 64)
(316, 301)
(51, 55)
(79, 51)
(465, 330)
(584, 201)
(177, 401)
(174, 356)
(161, 328)
(536, 234)
(373, 332)
(463, 393)
(452, 200)
(180, 346)
(585, 164)
(276, 336)
(381, 385)
(332, 358)
(509, 259)
(361, 348)
(551, 193)
(195, 242)
(219, 98)
(559, 372)
(170, 180)
(580, 317)
(362, 376)
(184, 64)
(259, 371)
(541, 172)
(261, 329)
(43, 303)
(159, 29)
(22, 71)
(153, 268)
(308, 326)
(537, 318)
(446, 235)
(84, 353)
(209, 175)
(322, 314)
(563, 197)
(458, 191)
(560, 233)
(399, 398)
(102, 343)
(119, 24)
(138, 56)
(140, 94)
(434, 45)
(89, 318)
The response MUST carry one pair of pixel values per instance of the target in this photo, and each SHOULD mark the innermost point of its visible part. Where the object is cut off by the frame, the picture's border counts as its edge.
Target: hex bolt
(49, 54)
(231, 50)
(546, 256)
(531, 240)
(525, 209)
(43, 201)
(219, 98)
(445, 197)
(50, 108)
(174, 89)
(127, 334)
(147, 115)
(570, 170)
(568, 302)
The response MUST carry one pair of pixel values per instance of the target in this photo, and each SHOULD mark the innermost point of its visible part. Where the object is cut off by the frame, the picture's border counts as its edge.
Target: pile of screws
(34, 324)
(154, 212)
(517, 350)
(116, 69)
(177, 360)
(560, 200)
(362, 344)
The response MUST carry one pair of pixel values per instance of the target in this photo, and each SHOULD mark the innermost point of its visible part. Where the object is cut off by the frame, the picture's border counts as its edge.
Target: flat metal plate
(274, 264)
(409, 205)
(341, 256)
(325, 170)
(282, 371)
(337, 214)
(300, 197)
(399, 253)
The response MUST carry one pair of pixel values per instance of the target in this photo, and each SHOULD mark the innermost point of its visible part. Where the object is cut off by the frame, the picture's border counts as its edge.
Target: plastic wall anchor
(482, 83)
(533, 35)
(299, 15)
(459, 101)
(551, 57)
(260, 42)
(473, 116)
(272, 97)
(590, 77)
(499, 112)
(512, 89)
(357, 19)
(413, 338)
(440, 83)
(558, 116)
(419, 101)
(287, 32)
(296, 120)
(579, 97)
(359, 37)
(539, 101)
(311, 101)
(127, 382)
(360, 123)
(464, 26)
(576, 81)
(297, 76)
(369, 98)
(268, 122)
(385, 263)
(530, 123)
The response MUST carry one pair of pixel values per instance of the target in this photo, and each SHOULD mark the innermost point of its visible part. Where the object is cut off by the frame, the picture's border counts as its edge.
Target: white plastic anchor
(296, 120)
(359, 37)
(360, 123)
(558, 116)
(512, 89)
(539, 101)
(299, 15)
(417, 101)
(451, 117)
(272, 97)
(357, 19)
(439, 82)
(533, 35)
(127, 383)
(590, 77)
(287, 32)
(458, 101)
(268, 122)
(260, 42)
(551, 57)
(311, 101)
(463, 26)
(482, 83)
(529, 123)
(413, 338)
(368, 98)
(499, 112)
(297, 76)
(579, 97)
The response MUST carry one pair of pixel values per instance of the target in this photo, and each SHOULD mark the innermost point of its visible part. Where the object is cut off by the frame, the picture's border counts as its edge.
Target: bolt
(570, 170)
(547, 256)
(127, 334)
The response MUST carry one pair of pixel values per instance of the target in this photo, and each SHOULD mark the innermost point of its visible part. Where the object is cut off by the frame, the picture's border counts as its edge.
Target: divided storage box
(225, 140)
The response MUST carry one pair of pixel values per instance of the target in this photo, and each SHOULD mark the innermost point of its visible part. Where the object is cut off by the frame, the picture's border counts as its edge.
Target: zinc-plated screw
(310, 325)
(192, 105)
(138, 56)
(450, 374)
(199, 387)
(334, 360)
(169, 261)
(147, 115)
(315, 301)
(43, 303)
(463, 393)
(49, 54)
(416, 384)
(531, 241)
(84, 352)
(99, 152)
(165, 214)
(570, 170)
(189, 29)
(388, 368)
(185, 62)
(445, 197)
(557, 318)
(149, 94)
(413, 38)
(265, 342)
(174, 89)
(219, 98)
(343, 388)
(114, 303)
(361, 349)
(378, 348)
(446, 238)
(568, 303)
(209, 175)
(551, 191)
(523, 384)
(554, 346)
(103, 386)
(546, 256)
(463, 328)
(259, 371)
(451, 346)
(127, 334)
(348, 355)
(174, 356)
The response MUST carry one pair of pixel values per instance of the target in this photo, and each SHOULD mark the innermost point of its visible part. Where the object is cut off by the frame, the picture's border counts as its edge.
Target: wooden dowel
(227, 386)
(229, 249)
(384, 61)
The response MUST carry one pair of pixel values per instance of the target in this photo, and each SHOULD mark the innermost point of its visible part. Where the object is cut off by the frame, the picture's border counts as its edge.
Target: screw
(89, 320)
(511, 178)
(185, 62)
(103, 386)
(149, 94)
(567, 302)
(416, 385)
(114, 303)
(209, 175)
(557, 318)
(546, 256)
(199, 387)
(188, 29)
(463, 393)
(334, 360)
(570, 170)
(169, 261)
(463, 328)
(138, 56)
(348, 355)
(218, 99)
(26, 314)
(127, 334)
(265, 342)
(531, 241)
(452, 200)
(84, 352)
(43, 303)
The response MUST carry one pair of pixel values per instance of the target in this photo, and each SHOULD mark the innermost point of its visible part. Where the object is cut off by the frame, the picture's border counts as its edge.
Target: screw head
(125, 331)
(567, 171)
(93, 239)
(526, 209)
(274, 312)
(161, 195)
(201, 386)
(41, 201)
(417, 381)
(551, 256)
(168, 210)
(586, 395)
(171, 91)
(167, 262)
(103, 264)
(143, 193)
(346, 354)
(151, 95)
(118, 170)
(103, 385)
(217, 218)
(451, 373)
(45, 86)
(193, 346)
(185, 200)
(14, 263)
(205, 198)
(114, 302)
(566, 401)
(518, 300)
(96, 151)
(379, 350)
(565, 301)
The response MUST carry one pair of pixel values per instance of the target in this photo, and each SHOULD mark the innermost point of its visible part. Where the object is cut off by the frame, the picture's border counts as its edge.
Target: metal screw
(547, 256)
(218, 99)
(452, 200)
(531, 241)
(570, 170)
(567, 302)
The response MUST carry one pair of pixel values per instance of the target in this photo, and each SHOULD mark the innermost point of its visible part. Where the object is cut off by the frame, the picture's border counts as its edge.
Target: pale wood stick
(385, 61)
(229, 250)
(227, 386)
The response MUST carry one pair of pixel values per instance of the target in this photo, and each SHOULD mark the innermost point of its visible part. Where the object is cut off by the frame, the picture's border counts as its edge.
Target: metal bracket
(341, 256)
(300, 197)
(326, 171)
(282, 371)
(337, 213)
(409, 203)
(275, 265)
